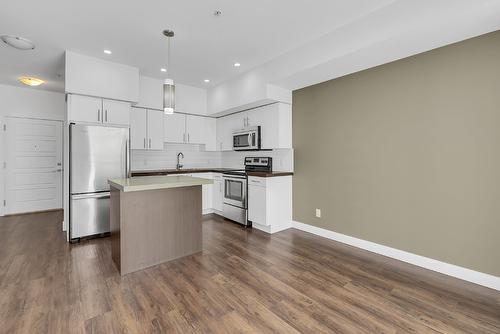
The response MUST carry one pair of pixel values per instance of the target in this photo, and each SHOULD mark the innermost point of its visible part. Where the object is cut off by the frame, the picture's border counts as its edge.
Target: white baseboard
(465, 274)
(271, 228)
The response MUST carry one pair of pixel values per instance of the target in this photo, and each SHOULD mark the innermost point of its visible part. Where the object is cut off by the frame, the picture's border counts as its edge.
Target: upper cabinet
(96, 77)
(146, 129)
(190, 129)
(150, 93)
(188, 100)
(275, 121)
(84, 109)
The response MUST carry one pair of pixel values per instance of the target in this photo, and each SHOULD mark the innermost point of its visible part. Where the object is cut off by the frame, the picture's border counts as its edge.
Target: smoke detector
(17, 42)
(217, 13)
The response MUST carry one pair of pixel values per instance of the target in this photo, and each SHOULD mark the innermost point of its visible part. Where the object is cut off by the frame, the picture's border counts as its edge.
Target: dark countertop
(204, 170)
(269, 174)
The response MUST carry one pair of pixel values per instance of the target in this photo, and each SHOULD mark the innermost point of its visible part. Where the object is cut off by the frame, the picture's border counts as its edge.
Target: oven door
(235, 191)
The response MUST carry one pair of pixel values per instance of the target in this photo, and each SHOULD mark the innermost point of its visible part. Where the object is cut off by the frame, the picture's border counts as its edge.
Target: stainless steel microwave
(247, 139)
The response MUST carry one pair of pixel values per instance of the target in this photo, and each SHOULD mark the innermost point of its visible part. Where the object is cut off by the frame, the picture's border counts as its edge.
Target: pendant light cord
(168, 55)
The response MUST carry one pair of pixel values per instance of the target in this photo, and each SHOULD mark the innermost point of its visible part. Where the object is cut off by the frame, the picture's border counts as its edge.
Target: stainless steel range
(235, 200)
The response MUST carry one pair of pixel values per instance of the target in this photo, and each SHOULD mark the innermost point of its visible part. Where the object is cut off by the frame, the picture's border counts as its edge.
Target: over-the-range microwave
(247, 139)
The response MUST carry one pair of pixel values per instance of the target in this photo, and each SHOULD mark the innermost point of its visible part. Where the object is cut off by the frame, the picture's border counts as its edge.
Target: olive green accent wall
(407, 154)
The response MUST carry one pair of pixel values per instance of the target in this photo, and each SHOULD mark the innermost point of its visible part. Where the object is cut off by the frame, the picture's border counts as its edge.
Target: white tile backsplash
(282, 158)
(195, 156)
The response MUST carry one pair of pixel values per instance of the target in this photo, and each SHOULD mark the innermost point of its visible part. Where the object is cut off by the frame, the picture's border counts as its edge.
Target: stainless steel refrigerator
(97, 153)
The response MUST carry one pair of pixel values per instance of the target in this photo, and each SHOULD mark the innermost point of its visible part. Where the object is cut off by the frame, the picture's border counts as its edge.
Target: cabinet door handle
(188, 137)
(149, 142)
(184, 137)
(98, 115)
(106, 114)
(144, 142)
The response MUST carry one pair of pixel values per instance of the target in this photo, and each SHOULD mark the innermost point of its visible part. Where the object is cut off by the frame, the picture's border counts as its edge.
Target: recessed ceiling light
(237, 64)
(31, 81)
(108, 52)
(18, 42)
(163, 69)
(207, 80)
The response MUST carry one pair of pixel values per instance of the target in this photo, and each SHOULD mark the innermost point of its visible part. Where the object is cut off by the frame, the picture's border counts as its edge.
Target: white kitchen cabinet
(138, 128)
(270, 203)
(207, 190)
(191, 129)
(195, 129)
(175, 128)
(146, 129)
(155, 129)
(257, 204)
(150, 93)
(217, 193)
(84, 108)
(91, 76)
(275, 121)
(116, 112)
(99, 111)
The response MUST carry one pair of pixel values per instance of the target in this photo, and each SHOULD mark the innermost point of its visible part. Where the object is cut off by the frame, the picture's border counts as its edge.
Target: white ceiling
(287, 39)
(250, 32)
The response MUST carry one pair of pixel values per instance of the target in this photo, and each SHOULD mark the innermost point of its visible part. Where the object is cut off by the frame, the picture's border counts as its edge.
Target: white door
(155, 130)
(116, 112)
(217, 194)
(195, 129)
(175, 128)
(257, 204)
(33, 177)
(138, 136)
(85, 109)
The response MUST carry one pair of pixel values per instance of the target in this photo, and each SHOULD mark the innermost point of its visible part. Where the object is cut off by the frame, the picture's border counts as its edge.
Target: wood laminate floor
(244, 281)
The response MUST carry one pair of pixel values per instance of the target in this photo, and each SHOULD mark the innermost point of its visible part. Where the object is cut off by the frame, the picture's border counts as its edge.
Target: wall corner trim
(462, 273)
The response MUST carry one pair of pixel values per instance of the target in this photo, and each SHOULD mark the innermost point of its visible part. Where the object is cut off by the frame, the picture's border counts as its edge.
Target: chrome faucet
(179, 166)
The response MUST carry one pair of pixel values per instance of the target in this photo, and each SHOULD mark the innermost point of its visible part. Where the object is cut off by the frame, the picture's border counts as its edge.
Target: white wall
(29, 103)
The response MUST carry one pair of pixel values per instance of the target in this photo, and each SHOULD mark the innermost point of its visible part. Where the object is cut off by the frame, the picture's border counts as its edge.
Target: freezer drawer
(89, 214)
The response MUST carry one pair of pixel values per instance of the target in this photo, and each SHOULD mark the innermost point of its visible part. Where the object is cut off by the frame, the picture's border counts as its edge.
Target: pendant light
(168, 84)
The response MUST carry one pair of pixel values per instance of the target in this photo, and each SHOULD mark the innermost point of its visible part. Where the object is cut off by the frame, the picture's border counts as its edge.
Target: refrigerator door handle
(86, 196)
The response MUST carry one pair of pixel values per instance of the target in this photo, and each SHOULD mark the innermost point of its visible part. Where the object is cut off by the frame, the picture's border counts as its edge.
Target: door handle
(149, 142)
(98, 115)
(188, 137)
(106, 114)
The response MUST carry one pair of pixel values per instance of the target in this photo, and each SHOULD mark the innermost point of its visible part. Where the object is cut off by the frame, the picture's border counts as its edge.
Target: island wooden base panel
(243, 281)
(154, 226)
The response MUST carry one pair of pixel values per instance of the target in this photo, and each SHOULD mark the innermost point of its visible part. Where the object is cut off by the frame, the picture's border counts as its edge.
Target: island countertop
(140, 183)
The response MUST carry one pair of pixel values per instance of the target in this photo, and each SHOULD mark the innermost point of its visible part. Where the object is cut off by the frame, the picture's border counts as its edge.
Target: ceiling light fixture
(17, 42)
(31, 81)
(237, 64)
(168, 84)
(108, 52)
(207, 80)
(163, 69)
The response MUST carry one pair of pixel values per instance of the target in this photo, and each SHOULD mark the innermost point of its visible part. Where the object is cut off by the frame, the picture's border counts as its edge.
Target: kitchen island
(154, 219)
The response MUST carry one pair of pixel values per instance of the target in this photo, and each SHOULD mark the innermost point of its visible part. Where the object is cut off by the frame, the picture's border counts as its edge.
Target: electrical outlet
(318, 213)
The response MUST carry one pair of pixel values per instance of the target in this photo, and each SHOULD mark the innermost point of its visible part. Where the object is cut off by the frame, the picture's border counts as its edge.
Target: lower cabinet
(270, 203)
(217, 193)
(207, 191)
